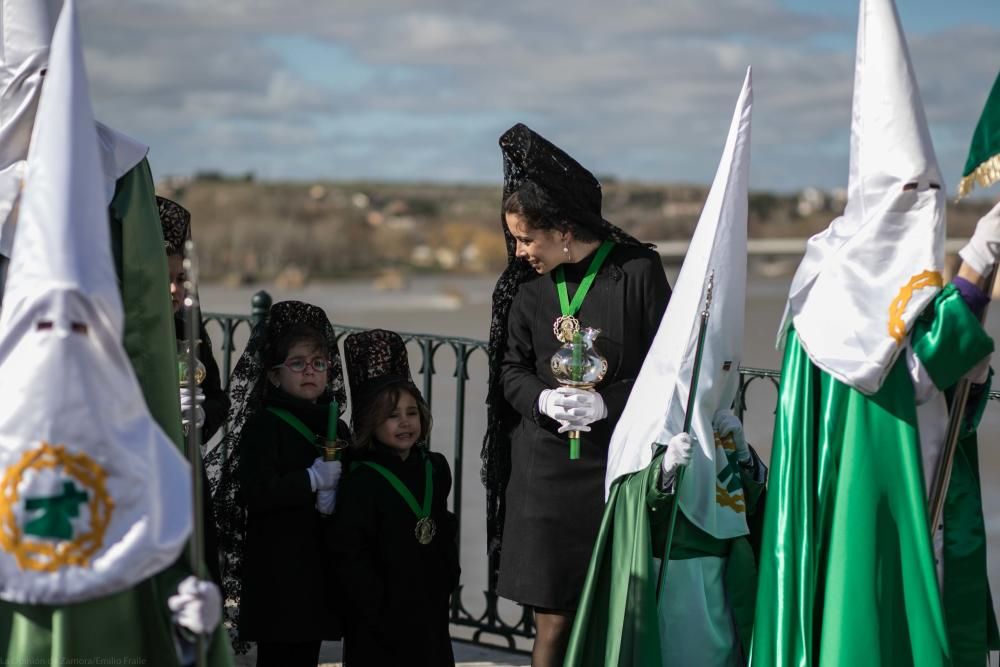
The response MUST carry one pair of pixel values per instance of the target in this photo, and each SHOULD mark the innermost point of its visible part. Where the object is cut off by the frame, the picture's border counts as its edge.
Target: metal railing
(489, 623)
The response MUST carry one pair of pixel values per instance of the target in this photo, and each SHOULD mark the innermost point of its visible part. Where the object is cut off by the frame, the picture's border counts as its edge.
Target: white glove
(726, 423)
(678, 454)
(567, 404)
(197, 606)
(981, 252)
(326, 500)
(324, 475)
(191, 403)
(566, 426)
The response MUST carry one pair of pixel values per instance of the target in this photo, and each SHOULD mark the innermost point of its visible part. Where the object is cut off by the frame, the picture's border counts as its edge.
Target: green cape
(852, 579)
(616, 622)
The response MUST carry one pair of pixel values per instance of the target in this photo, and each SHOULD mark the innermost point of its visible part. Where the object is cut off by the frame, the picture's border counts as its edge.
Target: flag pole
(688, 416)
(191, 322)
(942, 474)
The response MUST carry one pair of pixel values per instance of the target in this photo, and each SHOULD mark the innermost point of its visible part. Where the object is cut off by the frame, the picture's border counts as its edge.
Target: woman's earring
(569, 258)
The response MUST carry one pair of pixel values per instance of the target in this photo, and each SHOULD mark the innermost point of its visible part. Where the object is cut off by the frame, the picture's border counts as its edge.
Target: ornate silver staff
(192, 316)
(688, 416)
(942, 474)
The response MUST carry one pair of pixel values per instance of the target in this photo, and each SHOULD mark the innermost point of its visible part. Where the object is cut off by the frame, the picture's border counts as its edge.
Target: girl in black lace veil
(246, 391)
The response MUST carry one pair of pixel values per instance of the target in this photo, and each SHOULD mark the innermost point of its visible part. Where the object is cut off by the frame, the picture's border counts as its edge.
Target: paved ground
(466, 655)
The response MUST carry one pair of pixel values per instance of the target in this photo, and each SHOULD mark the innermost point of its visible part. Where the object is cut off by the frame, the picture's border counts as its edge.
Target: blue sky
(415, 90)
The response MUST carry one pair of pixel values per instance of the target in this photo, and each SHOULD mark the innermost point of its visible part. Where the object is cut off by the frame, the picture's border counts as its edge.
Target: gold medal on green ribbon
(425, 529)
(566, 325)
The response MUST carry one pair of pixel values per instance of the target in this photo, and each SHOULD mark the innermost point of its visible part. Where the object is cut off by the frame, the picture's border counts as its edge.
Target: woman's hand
(573, 405)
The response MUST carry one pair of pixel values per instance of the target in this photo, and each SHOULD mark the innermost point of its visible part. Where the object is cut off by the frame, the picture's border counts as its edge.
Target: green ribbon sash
(568, 308)
(421, 512)
(297, 424)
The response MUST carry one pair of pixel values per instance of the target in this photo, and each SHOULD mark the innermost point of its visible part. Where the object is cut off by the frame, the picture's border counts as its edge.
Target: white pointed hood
(26, 32)
(656, 406)
(865, 278)
(93, 495)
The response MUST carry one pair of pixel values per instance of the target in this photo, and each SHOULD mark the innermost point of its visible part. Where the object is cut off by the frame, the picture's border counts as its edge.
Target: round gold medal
(425, 530)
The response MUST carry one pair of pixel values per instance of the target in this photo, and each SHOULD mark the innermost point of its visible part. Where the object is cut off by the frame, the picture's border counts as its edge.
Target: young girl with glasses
(394, 536)
(287, 395)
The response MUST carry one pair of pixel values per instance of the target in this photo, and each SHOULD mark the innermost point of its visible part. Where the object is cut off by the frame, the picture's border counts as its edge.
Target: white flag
(656, 407)
(864, 279)
(93, 495)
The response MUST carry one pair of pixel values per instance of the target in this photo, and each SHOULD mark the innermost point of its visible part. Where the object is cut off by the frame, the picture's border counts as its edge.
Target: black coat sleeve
(521, 385)
(263, 483)
(646, 301)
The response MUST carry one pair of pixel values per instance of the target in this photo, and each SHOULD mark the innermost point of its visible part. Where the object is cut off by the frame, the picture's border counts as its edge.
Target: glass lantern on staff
(184, 354)
(577, 364)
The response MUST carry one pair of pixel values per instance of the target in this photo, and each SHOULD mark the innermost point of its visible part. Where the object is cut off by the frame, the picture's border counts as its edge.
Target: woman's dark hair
(540, 211)
(297, 333)
(381, 406)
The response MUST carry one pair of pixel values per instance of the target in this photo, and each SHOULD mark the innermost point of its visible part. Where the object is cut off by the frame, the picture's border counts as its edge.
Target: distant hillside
(294, 232)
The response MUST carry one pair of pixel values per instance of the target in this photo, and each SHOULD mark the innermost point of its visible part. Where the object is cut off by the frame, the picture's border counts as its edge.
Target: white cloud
(639, 88)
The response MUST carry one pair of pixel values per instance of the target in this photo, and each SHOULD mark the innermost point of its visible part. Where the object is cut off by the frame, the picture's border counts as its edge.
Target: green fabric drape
(983, 163)
(617, 620)
(848, 577)
(137, 245)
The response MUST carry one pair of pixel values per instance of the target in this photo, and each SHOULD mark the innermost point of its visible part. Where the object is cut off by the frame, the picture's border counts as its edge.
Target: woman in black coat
(397, 569)
(543, 507)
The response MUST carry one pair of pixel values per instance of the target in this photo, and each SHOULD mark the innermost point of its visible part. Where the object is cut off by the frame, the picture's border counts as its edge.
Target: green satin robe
(847, 576)
(134, 624)
(617, 620)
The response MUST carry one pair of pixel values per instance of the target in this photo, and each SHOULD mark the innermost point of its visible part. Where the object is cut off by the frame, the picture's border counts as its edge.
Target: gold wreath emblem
(897, 328)
(47, 555)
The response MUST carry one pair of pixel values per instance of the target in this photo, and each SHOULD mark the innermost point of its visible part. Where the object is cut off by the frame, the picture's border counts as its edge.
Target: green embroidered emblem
(730, 472)
(56, 513)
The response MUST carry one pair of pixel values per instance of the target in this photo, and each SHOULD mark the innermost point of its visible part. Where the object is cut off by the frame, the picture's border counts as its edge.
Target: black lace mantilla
(246, 391)
(527, 156)
(374, 359)
(176, 223)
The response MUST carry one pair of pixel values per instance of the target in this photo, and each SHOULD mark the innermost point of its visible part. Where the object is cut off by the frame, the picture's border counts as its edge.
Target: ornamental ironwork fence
(476, 616)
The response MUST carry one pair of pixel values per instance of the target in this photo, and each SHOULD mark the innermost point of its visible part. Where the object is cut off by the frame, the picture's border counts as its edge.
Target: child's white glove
(197, 606)
(726, 423)
(324, 475)
(678, 454)
(981, 252)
